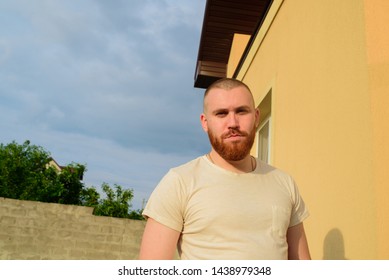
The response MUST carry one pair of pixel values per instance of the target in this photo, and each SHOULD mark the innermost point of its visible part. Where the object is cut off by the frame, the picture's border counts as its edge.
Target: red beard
(233, 151)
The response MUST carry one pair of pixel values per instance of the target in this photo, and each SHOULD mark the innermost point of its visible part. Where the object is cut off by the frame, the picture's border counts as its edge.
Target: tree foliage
(25, 173)
(72, 186)
(117, 202)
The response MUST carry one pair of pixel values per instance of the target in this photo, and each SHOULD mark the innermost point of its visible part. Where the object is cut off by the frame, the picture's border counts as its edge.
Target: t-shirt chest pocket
(280, 221)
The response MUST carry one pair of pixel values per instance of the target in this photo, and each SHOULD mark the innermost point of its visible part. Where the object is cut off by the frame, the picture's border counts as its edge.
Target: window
(264, 141)
(264, 129)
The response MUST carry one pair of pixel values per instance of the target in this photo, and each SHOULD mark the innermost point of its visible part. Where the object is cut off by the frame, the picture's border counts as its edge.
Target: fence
(42, 231)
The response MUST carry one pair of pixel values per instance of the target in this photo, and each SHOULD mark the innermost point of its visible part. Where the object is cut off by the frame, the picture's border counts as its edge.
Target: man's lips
(234, 135)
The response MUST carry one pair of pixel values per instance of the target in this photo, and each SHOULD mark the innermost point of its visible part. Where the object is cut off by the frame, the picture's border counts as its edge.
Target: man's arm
(159, 242)
(297, 242)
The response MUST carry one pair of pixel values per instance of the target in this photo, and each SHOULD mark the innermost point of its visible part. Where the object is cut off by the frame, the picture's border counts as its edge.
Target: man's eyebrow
(220, 110)
(240, 108)
(244, 107)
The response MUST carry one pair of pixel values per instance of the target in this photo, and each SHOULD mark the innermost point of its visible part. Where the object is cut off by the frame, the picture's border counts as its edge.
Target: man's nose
(233, 120)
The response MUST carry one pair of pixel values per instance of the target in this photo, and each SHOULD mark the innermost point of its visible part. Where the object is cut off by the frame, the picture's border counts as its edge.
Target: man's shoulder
(264, 168)
(189, 166)
(184, 173)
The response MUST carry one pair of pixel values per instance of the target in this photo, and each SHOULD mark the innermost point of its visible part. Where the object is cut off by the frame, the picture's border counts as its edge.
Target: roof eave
(222, 19)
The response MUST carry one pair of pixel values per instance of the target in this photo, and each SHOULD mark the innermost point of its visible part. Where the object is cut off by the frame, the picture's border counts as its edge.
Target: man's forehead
(238, 96)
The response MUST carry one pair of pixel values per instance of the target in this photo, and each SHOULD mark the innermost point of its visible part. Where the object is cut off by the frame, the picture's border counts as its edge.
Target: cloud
(106, 83)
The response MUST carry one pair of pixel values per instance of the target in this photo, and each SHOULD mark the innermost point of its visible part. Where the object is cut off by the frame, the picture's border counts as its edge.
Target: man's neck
(245, 165)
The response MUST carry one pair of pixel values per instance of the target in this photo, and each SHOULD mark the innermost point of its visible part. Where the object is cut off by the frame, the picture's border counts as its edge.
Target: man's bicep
(297, 243)
(159, 242)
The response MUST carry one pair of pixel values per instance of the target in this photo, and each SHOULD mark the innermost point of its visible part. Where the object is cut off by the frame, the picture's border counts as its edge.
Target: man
(226, 204)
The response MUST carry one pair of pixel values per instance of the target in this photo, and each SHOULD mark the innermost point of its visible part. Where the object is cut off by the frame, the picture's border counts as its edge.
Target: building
(59, 168)
(55, 165)
(319, 72)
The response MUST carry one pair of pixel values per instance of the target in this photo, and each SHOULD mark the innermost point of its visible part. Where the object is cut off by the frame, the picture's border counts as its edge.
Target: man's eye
(221, 114)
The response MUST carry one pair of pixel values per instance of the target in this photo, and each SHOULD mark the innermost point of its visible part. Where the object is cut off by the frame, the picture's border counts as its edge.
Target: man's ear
(257, 117)
(204, 122)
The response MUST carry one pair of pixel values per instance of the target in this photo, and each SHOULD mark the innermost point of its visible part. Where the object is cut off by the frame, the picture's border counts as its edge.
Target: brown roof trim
(223, 18)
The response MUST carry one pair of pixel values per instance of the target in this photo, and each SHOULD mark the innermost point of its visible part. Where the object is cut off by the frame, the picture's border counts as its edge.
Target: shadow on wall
(334, 246)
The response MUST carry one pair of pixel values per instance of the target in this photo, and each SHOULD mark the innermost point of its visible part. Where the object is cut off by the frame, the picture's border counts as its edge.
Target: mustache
(234, 132)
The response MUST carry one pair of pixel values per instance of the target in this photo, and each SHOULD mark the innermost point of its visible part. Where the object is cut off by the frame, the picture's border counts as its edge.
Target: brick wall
(37, 230)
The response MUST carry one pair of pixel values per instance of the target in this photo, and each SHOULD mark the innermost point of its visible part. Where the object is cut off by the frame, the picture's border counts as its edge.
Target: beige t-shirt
(225, 215)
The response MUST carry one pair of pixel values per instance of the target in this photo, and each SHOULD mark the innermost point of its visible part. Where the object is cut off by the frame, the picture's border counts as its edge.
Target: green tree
(89, 197)
(70, 179)
(136, 215)
(116, 203)
(25, 173)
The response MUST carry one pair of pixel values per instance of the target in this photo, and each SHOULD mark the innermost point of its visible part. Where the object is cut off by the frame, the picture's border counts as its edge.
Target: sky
(108, 84)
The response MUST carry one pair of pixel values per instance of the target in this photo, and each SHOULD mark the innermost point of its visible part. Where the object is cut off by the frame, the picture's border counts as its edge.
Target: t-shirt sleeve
(299, 210)
(165, 204)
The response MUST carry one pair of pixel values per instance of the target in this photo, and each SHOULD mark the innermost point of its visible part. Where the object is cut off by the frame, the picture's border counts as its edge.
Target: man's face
(230, 119)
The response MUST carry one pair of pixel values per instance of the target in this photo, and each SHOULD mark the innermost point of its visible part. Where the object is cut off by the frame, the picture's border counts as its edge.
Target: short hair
(226, 84)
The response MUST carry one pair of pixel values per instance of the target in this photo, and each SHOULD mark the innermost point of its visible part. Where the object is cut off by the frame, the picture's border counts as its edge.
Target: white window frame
(267, 122)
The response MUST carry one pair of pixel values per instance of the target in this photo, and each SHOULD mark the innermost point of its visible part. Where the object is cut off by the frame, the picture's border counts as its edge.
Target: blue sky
(104, 83)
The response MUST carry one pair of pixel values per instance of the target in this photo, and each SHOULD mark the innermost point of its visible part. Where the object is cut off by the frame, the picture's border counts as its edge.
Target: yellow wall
(328, 118)
(238, 47)
(377, 38)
